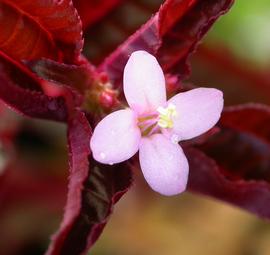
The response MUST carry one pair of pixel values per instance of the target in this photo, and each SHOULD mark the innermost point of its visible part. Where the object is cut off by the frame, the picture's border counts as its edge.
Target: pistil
(148, 124)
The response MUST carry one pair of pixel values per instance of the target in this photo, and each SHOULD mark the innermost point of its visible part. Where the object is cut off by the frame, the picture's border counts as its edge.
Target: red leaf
(92, 193)
(35, 29)
(250, 118)
(18, 185)
(172, 35)
(115, 27)
(23, 91)
(73, 76)
(206, 177)
(217, 64)
(92, 11)
(237, 166)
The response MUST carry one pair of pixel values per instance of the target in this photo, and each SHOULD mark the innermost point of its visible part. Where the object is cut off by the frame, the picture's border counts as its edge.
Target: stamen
(166, 115)
(151, 123)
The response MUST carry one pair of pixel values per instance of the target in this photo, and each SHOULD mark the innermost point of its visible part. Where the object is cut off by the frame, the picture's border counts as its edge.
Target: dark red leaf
(115, 27)
(172, 35)
(93, 190)
(35, 29)
(234, 165)
(217, 65)
(23, 91)
(92, 11)
(18, 185)
(250, 118)
(206, 177)
(74, 76)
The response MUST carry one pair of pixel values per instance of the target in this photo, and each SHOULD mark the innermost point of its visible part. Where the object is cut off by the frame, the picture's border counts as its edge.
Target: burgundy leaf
(115, 27)
(23, 91)
(93, 190)
(92, 11)
(74, 76)
(206, 177)
(35, 29)
(18, 185)
(172, 35)
(249, 118)
(234, 165)
(217, 65)
(31, 103)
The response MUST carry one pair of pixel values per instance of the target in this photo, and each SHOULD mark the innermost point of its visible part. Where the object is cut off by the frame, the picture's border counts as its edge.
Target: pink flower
(154, 126)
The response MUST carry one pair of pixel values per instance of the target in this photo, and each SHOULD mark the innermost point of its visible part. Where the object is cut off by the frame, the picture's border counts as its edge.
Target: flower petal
(116, 138)
(164, 165)
(198, 110)
(144, 82)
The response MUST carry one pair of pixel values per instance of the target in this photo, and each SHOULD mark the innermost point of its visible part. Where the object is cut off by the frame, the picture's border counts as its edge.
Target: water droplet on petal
(102, 155)
(174, 138)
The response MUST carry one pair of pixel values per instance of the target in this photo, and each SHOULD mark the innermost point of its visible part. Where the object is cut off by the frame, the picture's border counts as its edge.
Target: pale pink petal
(116, 138)
(144, 82)
(163, 164)
(197, 111)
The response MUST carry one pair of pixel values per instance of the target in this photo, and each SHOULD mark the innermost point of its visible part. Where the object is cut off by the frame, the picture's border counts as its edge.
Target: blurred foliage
(187, 224)
(245, 29)
(235, 54)
(144, 222)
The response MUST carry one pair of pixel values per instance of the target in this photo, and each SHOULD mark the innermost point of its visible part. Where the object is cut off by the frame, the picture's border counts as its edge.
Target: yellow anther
(165, 116)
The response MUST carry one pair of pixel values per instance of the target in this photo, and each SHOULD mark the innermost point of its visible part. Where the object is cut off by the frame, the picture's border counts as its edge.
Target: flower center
(151, 123)
(166, 115)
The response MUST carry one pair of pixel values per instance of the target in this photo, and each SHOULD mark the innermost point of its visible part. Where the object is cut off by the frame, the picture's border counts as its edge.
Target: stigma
(165, 116)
